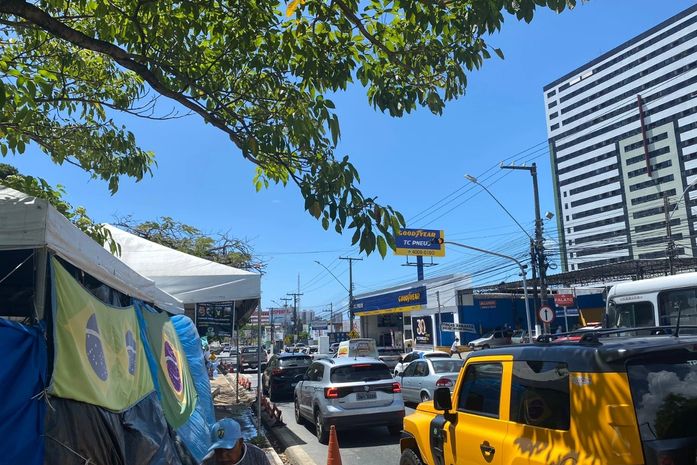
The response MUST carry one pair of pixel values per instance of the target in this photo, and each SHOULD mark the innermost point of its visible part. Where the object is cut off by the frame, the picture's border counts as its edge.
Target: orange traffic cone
(333, 456)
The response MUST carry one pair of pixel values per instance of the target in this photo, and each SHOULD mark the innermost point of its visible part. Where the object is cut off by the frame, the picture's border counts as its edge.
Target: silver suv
(348, 393)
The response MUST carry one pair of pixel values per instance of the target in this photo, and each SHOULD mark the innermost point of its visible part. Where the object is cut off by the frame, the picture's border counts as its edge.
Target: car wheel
(321, 429)
(409, 457)
(395, 429)
(425, 397)
(298, 416)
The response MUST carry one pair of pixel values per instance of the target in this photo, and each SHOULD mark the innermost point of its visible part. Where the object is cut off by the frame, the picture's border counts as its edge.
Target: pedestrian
(229, 448)
(453, 348)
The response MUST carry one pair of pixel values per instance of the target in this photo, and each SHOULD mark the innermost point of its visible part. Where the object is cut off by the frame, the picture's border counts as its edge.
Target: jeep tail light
(331, 393)
(276, 371)
(396, 388)
(444, 382)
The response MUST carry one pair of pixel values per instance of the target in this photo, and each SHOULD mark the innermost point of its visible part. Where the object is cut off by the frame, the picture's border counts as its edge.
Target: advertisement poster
(215, 319)
(422, 327)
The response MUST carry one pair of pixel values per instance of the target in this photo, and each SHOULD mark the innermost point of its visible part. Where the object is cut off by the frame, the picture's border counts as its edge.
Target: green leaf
(382, 246)
(499, 52)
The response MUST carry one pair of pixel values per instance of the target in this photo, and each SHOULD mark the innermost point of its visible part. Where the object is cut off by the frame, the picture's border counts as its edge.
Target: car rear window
(249, 350)
(664, 389)
(360, 372)
(437, 355)
(295, 361)
(447, 366)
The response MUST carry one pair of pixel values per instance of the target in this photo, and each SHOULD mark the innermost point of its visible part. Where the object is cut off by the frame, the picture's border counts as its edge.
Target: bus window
(630, 315)
(683, 301)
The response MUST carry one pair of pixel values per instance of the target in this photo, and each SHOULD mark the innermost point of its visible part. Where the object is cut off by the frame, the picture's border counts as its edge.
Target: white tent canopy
(191, 279)
(27, 222)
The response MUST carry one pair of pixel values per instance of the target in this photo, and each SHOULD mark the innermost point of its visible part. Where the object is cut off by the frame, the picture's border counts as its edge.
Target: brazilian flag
(175, 386)
(99, 355)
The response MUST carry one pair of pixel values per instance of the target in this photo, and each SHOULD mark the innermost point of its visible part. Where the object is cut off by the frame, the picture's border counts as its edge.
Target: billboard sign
(422, 329)
(214, 319)
(320, 325)
(405, 300)
(564, 300)
(424, 242)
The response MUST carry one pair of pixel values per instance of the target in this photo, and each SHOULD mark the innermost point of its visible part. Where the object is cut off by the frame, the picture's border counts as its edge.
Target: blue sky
(412, 163)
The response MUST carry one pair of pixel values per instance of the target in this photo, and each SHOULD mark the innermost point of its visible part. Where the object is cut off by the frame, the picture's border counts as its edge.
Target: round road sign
(546, 314)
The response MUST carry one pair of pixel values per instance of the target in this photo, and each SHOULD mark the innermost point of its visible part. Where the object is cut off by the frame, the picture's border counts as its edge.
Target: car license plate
(366, 395)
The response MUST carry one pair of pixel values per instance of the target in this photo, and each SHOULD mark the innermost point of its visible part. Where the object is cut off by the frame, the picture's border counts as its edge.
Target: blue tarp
(22, 409)
(195, 433)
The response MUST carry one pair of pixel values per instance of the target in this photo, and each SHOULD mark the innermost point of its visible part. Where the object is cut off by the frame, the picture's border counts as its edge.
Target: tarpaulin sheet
(168, 365)
(99, 356)
(195, 433)
(79, 433)
(22, 375)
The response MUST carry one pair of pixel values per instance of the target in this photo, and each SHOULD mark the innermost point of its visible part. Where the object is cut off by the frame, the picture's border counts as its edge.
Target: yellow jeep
(602, 401)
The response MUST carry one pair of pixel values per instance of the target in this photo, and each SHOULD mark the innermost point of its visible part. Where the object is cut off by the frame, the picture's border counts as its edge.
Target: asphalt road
(367, 446)
(363, 446)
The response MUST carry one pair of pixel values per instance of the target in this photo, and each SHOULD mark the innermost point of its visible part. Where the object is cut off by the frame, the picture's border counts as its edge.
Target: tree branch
(49, 24)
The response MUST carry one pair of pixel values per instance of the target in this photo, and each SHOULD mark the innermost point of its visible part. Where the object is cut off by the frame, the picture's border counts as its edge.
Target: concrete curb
(273, 456)
(291, 444)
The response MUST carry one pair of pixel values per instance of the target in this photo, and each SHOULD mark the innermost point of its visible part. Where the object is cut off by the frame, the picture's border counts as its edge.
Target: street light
(522, 272)
(474, 180)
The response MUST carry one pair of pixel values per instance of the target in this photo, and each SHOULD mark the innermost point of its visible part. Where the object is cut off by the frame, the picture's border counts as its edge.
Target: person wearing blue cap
(228, 447)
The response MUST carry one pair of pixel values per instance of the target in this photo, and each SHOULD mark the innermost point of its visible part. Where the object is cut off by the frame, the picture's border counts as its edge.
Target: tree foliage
(222, 248)
(38, 187)
(257, 70)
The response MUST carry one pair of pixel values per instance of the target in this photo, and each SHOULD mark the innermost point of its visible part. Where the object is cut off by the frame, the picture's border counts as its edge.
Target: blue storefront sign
(406, 300)
(425, 242)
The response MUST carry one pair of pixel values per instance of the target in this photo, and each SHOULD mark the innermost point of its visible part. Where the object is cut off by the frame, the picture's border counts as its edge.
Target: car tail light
(331, 393)
(444, 382)
(276, 371)
(396, 388)
(360, 365)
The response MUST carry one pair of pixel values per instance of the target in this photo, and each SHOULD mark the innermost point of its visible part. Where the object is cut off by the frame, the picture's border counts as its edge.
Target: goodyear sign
(406, 300)
(425, 242)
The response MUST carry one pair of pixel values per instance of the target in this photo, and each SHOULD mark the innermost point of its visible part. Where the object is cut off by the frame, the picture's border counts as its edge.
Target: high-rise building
(623, 141)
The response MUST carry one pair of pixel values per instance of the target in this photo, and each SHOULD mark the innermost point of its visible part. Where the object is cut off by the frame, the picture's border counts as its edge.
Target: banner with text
(215, 319)
(422, 328)
(406, 300)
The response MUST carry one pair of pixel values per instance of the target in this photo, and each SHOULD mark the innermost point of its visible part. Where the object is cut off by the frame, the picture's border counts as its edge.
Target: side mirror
(442, 399)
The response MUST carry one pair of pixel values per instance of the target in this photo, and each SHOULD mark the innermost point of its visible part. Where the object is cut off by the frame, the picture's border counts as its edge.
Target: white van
(362, 347)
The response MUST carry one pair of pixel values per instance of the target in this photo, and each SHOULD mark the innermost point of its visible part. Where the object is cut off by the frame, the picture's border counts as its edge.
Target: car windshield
(489, 334)
(665, 396)
(517, 333)
(447, 366)
(300, 361)
(360, 372)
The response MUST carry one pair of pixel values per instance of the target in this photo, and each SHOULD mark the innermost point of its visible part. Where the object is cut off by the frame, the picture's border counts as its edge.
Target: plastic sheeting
(79, 433)
(195, 433)
(22, 410)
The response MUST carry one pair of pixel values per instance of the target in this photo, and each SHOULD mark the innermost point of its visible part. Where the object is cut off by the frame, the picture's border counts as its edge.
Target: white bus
(653, 302)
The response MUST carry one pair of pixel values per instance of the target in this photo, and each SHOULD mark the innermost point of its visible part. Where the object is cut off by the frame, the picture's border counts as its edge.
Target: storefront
(419, 314)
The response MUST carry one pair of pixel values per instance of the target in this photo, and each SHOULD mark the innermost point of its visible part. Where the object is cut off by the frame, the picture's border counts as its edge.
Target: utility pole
(440, 322)
(331, 317)
(350, 289)
(295, 296)
(539, 241)
(669, 234)
(285, 306)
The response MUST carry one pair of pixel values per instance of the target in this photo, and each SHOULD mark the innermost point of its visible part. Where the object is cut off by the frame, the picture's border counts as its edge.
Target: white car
(416, 355)
(500, 337)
